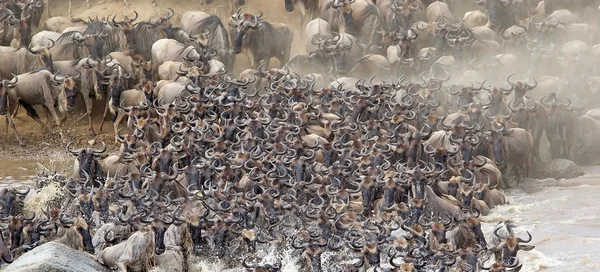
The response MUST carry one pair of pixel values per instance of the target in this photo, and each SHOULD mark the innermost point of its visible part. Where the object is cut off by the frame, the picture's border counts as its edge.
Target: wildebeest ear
(526, 247)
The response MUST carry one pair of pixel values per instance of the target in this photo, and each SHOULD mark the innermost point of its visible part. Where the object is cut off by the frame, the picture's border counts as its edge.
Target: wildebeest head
(289, 5)
(405, 9)
(159, 227)
(87, 160)
(127, 25)
(66, 98)
(243, 23)
(511, 246)
(143, 67)
(44, 55)
(5, 87)
(545, 28)
(337, 49)
(475, 226)
(77, 232)
(453, 186)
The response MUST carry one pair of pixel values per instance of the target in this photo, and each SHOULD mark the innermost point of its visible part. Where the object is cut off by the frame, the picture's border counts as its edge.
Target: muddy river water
(563, 216)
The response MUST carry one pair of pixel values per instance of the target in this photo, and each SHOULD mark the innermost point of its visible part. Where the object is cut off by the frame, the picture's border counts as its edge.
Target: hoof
(92, 133)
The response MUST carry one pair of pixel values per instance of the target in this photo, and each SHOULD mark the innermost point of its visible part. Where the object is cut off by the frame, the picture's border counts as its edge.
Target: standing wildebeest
(41, 88)
(87, 85)
(142, 35)
(509, 147)
(23, 60)
(503, 14)
(112, 35)
(263, 39)
(395, 14)
(218, 39)
(584, 143)
(311, 6)
(356, 17)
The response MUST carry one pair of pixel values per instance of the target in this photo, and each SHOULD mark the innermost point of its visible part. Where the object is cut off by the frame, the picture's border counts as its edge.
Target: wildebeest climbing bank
(296, 135)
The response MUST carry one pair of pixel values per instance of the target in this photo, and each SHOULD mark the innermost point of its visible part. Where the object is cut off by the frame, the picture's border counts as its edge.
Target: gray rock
(55, 257)
(556, 169)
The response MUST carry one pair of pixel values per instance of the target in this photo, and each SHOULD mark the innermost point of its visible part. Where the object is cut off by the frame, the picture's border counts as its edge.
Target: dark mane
(67, 36)
(95, 28)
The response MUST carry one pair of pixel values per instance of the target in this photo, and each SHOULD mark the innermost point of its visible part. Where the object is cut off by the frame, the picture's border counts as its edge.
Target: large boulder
(55, 257)
(556, 169)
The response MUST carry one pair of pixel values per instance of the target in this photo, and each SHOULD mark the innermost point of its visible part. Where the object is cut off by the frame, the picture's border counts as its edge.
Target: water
(561, 215)
(563, 218)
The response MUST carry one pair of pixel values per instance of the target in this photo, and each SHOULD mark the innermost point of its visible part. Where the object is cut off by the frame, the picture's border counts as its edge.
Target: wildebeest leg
(31, 112)
(11, 123)
(302, 10)
(14, 113)
(69, 10)
(120, 116)
(88, 113)
(125, 3)
(52, 111)
(87, 3)
(536, 144)
(103, 117)
(47, 116)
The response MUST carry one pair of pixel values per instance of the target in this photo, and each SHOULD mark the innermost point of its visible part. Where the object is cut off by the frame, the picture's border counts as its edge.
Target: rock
(557, 169)
(55, 257)
(91, 142)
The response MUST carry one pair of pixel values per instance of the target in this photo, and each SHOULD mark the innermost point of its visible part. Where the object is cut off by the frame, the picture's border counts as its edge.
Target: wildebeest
(171, 50)
(584, 141)
(263, 39)
(355, 17)
(41, 88)
(59, 23)
(312, 6)
(82, 45)
(142, 35)
(23, 60)
(510, 147)
(136, 253)
(217, 39)
(87, 84)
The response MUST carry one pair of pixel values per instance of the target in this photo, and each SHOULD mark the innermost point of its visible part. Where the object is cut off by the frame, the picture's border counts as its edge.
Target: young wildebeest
(40, 88)
(126, 100)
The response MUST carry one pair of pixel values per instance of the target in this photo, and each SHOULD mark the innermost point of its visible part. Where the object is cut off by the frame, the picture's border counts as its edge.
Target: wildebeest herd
(386, 168)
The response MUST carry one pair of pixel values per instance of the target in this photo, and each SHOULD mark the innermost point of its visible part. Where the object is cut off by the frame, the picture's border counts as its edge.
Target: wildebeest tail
(30, 109)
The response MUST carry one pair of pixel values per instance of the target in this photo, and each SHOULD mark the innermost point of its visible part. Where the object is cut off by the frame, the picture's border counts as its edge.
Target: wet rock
(52, 257)
(557, 169)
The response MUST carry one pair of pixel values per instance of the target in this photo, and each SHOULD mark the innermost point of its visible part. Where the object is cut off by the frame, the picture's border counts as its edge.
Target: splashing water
(561, 216)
